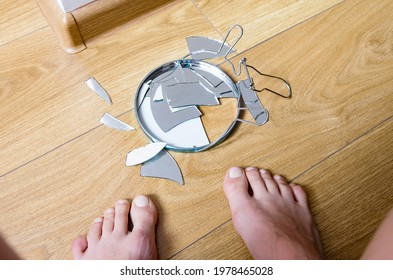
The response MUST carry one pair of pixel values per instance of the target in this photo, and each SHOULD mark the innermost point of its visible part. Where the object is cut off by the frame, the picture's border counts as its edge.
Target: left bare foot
(109, 237)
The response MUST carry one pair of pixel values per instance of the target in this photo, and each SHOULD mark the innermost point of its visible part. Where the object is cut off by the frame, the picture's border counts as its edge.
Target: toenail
(122, 201)
(98, 220)
(141, 201)
(277, 177)
(264, 171)
(235, 172)
(109, 211)
(250, 168)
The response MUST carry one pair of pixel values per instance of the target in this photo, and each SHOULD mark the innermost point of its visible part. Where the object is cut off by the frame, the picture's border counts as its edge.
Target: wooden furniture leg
(64, 25)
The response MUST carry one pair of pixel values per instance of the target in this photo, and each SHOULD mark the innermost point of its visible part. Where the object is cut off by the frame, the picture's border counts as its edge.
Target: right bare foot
(275, 222)
(109, 237)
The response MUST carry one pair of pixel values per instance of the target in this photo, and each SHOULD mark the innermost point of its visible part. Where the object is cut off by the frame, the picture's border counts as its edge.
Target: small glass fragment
(143, 154)
(111, 121)
(158, 95)
(99, 90)
(143, 92)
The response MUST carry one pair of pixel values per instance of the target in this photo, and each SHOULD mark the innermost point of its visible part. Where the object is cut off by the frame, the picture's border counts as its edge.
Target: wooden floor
(59, 168)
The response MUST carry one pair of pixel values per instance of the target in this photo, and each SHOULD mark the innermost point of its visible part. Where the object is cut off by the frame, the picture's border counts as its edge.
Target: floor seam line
(58, 147)
(381, 123)
(289, 28)
(207, 19)
(50, 151)
(200, 238)
(16, 39)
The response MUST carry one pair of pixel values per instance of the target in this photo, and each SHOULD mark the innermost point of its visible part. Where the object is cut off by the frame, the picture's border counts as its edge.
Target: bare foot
(275, 222)
(381, 246)
(109, 237)
(6, 253)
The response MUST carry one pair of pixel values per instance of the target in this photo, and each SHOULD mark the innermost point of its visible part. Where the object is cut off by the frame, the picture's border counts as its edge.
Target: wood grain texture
(104, 17)
(45, 101)
(222, 243)
(19, 18)
(261, 20)
(340, 67)
(349, 194)
(64, 26)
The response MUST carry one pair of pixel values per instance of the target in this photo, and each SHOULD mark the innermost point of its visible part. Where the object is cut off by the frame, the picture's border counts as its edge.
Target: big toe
(143, 214)
(144, 218)
(78, 247)
(236, 188)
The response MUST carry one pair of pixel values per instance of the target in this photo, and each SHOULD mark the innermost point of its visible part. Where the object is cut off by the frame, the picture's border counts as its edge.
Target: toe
(270, 184)
(95, 231)
(122, 210)
(109, 221)
(285, 190)
(78, 247)
(256, 182)
(143, 215)
(300, 195)
(236, 187)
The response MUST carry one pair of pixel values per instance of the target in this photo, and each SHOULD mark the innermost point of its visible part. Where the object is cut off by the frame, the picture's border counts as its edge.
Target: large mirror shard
(187, 94)
(163, 166)
(188, 134)
(166, 119)
(212, 79)
(206, 48)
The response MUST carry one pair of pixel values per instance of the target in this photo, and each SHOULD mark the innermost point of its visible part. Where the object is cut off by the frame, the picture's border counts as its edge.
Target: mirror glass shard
(143, 92)
(111, 121)
(166, 119)
(223, 91)
(229, 94)
(188, 134)
(143, 154)
(98, 89)
(158, 95)
(252, 102)
(186, 94)
(205, 48)
(164, 166)
(208, 76)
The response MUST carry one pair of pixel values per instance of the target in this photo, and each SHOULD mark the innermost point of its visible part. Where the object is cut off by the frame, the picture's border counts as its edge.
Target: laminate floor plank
(340, 67)
(349, 194)
(261, 20)
(19, 18)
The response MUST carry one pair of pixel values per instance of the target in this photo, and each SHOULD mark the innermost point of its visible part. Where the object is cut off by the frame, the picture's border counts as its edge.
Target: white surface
(112, 122)
(143, 154)
(99, 90)
(71, 5)
(158, 95)
(189, 134)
